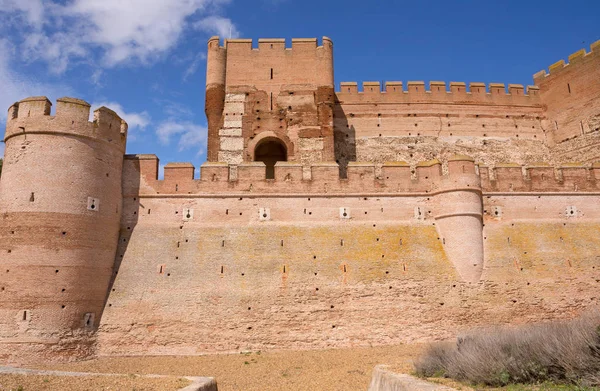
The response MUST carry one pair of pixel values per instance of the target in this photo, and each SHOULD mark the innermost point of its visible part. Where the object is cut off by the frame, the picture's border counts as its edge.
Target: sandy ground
(324, 370)
(91, 383)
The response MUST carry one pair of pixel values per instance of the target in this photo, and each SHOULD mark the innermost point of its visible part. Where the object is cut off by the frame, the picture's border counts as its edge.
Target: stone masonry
(390, 214)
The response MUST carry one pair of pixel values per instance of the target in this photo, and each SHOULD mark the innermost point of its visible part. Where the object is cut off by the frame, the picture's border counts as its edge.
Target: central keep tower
(270, 103)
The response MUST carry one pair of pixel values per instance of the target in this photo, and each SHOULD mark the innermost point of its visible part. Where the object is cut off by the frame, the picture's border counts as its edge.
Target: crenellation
(437, 93)
(13, 111)
(497, 88)
(76, 109)
(251, 171)
(574, 58)
(325, 172)
(271, 45)
(349, 87)
(238, 46)
(557, 66)
(72, 117)
(577, 177)
(398, 177)
(577, 56)
(370, 87)
(304, 45)
(288, 172)
(516, 89)
(179, 172)
(34, 106)
(457, 87)
(361, 172)
(214, 172)
(477, 88)
(437, 87)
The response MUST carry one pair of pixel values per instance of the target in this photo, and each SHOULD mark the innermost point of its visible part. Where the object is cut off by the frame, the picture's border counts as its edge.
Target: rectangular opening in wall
(271, 73)
(88, 320)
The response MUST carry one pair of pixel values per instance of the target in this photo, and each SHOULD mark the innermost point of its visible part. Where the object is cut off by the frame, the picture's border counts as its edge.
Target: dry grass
(560, 351)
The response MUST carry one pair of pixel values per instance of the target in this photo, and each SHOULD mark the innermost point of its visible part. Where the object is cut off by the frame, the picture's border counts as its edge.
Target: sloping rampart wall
(238, 270)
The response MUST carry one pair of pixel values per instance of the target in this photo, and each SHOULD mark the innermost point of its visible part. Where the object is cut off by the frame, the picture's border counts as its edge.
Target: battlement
(271, 64)
(438, 92)
(575, 58)
(33, 116)
(270, 45)
(430, 177)
(511, 177)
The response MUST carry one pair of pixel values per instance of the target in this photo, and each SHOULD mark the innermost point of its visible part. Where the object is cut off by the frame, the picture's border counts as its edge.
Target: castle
(322, 218)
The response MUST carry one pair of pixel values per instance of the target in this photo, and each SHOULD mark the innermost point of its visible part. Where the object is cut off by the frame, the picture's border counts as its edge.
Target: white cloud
(190, 135)
(220, 26)
(120, 30)
(32, 10)
(193, 67)
(16, 86)
(136, 121)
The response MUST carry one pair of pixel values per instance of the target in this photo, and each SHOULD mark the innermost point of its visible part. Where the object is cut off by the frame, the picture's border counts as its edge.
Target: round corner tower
(60, 207)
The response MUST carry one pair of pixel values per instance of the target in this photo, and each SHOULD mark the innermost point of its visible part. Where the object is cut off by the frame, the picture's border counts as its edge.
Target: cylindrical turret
(216, 63)
(60, 202)
(327, 63)
(459, 218)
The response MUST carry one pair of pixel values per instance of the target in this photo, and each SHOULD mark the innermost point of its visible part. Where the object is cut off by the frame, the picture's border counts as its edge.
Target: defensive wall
(213, 264)
(419, 230)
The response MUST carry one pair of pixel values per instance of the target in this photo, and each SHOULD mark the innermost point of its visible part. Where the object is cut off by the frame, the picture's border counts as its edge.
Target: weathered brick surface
(60, 198)
(404, 238)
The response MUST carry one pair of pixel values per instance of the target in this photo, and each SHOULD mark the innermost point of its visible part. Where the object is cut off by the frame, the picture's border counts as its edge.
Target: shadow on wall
(130, 210)
(344, 140)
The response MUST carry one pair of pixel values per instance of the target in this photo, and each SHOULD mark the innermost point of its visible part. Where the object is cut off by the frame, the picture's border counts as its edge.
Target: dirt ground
(324, 370)
(88, 383)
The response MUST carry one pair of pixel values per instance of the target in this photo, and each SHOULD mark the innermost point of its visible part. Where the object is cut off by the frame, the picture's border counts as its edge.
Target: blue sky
(146, 58)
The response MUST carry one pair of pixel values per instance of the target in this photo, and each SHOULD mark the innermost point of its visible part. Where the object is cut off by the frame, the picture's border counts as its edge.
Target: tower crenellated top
(271, 63)
(574, 58)
(32, 116)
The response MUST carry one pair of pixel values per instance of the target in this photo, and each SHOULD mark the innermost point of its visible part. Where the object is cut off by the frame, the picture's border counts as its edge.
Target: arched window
(270, 151)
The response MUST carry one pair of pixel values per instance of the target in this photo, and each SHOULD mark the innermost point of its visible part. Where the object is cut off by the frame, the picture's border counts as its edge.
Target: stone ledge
(385, 380)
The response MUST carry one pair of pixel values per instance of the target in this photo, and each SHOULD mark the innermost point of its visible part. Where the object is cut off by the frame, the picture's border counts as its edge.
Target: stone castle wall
(210, 265)
(377, 229)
